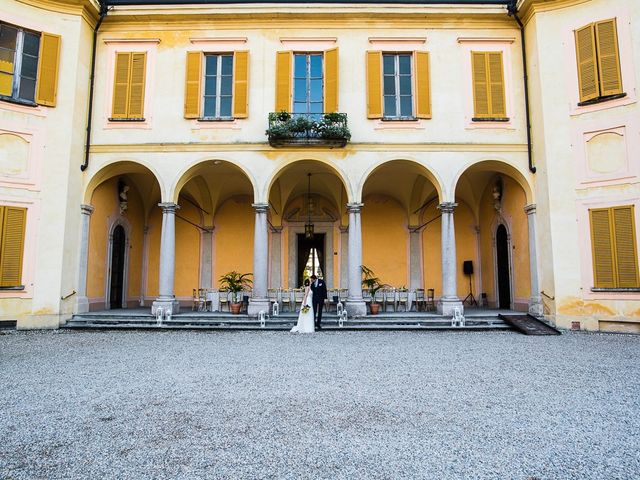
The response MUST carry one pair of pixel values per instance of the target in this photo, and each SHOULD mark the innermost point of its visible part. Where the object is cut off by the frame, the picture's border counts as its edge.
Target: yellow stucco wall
(187, 274)
(234, 222)
(385, 240)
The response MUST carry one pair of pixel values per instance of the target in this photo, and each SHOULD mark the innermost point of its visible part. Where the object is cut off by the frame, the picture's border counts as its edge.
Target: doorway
(116, 281)
(502, 259)
(310, 251)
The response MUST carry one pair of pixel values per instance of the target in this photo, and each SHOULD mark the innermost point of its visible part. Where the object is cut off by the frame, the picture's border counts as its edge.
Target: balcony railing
(318, 129)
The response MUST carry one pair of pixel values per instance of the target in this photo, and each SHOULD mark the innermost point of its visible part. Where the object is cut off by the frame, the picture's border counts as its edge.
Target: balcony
(308, 129)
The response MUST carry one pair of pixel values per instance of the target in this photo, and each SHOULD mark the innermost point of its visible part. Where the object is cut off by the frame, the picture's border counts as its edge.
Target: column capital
(86, 209)
(168, 207)
(260, 207)
(343, 228)
(208, 228)
(447, 207)
(354, 207)
(413, 228)
(530, 209)
(276, 229)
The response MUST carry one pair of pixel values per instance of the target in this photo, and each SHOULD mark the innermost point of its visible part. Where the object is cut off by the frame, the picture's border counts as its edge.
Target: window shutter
(423, 87)
(602, 249)
(608, 57)
(480, 84)
(331, 80)
(495, 68)
(136, 85)
(48, 61)
(625, 247)
(586, 57)
(240, 84)
(283, 81)
(121, 85)
(12, 248)
(192, 85)
(374, 84)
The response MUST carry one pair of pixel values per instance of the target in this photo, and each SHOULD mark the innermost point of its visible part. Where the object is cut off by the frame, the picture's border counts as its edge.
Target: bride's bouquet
(305, 309)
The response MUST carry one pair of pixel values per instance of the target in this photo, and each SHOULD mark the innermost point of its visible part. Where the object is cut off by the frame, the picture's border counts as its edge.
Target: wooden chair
(403, 299)
(197, 302)
(205, 304)
(390, 298)
(224, 300)
(379, 298)
(298, 296)
(285, 298)
(419, 300)
(430, 303)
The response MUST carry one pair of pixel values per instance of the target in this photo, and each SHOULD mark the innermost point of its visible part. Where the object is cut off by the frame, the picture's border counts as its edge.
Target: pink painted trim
(36, 139)
(30, 245)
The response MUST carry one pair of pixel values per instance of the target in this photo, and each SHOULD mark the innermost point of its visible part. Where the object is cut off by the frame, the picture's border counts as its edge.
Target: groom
(319, 289)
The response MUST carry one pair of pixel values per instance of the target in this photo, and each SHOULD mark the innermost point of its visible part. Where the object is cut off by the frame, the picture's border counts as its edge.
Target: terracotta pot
(235, 308)
(375, 308)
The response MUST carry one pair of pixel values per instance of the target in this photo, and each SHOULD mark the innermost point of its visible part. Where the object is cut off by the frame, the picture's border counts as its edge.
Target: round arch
(498, 166)
(116, 168)
(424, 170)
(190, 172)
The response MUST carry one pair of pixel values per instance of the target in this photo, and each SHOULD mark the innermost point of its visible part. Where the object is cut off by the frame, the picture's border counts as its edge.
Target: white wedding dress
(306, 320)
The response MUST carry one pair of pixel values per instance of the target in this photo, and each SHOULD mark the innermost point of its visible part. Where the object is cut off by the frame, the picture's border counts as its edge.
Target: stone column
(355, 304)
(259, 300)
(276, 257)
(82, 302)
(449, 299)
(167, 259)
(344, 256)
(206, 260)
(415, 258)
(535, 301)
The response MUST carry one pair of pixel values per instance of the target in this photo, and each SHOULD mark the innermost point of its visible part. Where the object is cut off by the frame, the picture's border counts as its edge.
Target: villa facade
(154, 175)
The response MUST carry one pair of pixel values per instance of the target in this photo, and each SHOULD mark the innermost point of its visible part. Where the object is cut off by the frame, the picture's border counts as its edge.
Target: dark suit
(319, 296)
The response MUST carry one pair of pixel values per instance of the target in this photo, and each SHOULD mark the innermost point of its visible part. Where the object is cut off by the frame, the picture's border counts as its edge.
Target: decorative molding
(109, 41)
(486, 39)
(530, 209)
(217, 40)
(285, 40)
(169, 207)
(86, 209)
(354, 207)
(402, 40)
(447, 207)
(260, 207)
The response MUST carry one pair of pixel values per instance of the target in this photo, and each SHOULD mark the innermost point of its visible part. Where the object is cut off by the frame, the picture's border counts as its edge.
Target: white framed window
(19, 51)
(218, 86)
(308, 83)
(397, 72)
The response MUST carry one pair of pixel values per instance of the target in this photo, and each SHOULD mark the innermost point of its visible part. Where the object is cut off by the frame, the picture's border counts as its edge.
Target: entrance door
(117, 267)
(305, 248)
(504, 280)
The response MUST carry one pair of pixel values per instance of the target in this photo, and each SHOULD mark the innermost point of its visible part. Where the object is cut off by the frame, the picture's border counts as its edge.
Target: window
(225, 92)
(308, 78)
(613, 242)
(488, 86)
(12, 226)
(307, 82)
(218, 86)
(128, 86)
(398, 85)
(28, 65)
(397, 77)
(598, 61)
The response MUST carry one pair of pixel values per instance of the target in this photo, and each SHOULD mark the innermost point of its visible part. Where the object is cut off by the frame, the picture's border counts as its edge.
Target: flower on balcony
(285, 126)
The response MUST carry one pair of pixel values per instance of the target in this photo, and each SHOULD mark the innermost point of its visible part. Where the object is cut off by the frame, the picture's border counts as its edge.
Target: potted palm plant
(371, 283)
(235, 282)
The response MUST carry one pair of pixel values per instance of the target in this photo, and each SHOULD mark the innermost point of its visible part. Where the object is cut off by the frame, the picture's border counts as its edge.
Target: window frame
(397, 93)
(308, 78)
(218, 95)
(17, 76)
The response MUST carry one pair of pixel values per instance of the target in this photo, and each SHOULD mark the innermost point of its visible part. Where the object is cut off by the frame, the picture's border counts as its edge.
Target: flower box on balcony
(312, 129)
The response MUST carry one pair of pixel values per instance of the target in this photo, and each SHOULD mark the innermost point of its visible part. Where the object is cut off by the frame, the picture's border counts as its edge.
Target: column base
(447, 306)
(258, 304)
(356, 308)
(535, 307)
(82, 305)
(174, 305)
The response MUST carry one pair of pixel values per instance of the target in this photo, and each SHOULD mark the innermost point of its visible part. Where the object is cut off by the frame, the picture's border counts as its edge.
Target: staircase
(142, 319)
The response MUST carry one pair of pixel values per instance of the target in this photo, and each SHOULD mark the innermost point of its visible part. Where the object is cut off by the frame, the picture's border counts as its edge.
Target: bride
(305, 318)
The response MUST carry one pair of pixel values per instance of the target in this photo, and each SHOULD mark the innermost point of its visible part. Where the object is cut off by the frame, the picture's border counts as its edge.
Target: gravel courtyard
(187, 405)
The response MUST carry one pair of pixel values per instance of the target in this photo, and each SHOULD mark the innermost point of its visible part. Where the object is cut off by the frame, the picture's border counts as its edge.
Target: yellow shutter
(586, 57)
(283, 81)
(625, 247)
(135, 107)
(423, 88)
(331, 80)
(12, 248)
(48, 60)
(192, 94)
(374, 84)
(602, 249)
(608, 57)
(480, 85)
(121, 85)
(240, 84)
(498, 107)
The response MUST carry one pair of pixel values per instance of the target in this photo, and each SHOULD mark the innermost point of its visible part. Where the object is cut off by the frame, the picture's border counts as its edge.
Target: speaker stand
(470, 299)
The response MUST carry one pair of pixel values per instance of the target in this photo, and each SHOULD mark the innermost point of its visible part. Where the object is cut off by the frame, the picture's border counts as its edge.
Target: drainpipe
(103, 13)
(513, 12)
